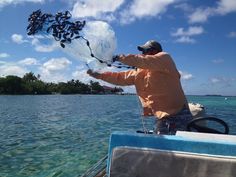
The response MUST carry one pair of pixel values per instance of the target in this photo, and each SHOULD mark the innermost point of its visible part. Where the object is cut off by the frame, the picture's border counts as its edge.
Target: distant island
(30, 84)
(213, 95)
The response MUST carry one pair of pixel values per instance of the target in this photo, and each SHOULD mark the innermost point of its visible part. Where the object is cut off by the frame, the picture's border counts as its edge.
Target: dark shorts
(173, 123)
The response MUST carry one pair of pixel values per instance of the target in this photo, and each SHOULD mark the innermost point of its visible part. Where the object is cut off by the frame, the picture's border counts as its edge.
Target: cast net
(92, 42)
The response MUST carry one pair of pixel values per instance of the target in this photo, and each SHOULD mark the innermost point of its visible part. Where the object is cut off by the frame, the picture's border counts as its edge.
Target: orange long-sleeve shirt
(157, 82)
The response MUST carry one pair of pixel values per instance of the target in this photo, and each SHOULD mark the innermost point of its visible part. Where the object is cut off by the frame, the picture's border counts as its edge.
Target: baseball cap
(151, 44)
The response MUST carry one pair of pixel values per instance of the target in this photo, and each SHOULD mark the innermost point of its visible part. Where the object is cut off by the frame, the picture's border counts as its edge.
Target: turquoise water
(63, 135)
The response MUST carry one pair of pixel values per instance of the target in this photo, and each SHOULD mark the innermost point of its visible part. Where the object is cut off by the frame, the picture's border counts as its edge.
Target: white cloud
(185, 39)
(12, 69)
(2, 62)
(129, 89)
(39, 47)
(223, 7)
(81, 74)
(222, 81)
(140, 9)
(192, 30)
(185, 36)
(185, 7)
(56, 64)
(17, 38)
(226, 6)
(217, 61)
(4, 3)
(185, 75)
(232, 34)
(28, 61)
(16, 68)
(110, 10)
(200, 15)
(215, 80)
(55, 70)
(4, 55)
(96, 9)
(56, 77)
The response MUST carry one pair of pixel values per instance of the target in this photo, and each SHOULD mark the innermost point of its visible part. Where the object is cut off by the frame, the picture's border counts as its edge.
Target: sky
(199, 35)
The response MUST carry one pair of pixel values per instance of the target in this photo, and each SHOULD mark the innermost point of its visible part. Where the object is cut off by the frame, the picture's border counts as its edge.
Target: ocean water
(63, 135)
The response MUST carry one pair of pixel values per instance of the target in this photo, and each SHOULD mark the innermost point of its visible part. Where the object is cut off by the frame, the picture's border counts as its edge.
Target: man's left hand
(93, 74)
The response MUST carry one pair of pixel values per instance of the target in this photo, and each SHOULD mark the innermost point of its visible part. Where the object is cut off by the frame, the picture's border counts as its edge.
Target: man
(158, 86)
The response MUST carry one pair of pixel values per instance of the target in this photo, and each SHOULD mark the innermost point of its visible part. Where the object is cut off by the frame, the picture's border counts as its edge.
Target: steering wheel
(196, 124)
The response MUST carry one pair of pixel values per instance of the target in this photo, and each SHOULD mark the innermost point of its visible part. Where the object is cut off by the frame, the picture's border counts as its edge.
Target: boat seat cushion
(145, 162)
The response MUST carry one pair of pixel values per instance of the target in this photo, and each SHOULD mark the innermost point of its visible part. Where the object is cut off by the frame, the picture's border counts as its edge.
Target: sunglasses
(145, 51)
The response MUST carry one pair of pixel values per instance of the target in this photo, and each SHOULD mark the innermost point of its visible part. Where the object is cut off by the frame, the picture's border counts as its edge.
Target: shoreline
(118, 94)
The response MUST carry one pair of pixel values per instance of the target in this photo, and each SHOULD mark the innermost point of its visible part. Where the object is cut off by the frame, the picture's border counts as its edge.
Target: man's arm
(155, 62)
(117, 78)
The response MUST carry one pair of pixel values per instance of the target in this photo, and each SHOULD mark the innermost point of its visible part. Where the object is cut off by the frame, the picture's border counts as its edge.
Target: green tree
(52, 87)
(30, 77)
(63, 88)
(39, 87)
(96, 87)
(117, 90)
(31, 84)
(2, 84)
(13, 85)
(81, 87)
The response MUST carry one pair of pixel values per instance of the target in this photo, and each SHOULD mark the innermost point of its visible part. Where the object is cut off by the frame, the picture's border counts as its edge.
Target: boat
(201, 151)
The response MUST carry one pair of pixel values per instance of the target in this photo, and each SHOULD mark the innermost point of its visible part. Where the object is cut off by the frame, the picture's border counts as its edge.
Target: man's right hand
(93, 74)
(115, 58)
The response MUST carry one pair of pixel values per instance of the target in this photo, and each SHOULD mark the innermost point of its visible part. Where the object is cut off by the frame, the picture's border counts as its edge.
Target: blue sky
(199, 35)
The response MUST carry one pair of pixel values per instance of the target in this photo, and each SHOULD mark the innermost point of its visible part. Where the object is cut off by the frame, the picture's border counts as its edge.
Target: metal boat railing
(98, 169)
